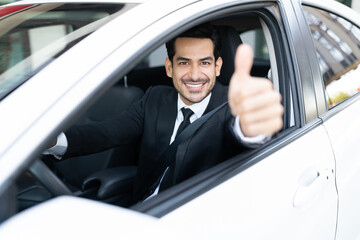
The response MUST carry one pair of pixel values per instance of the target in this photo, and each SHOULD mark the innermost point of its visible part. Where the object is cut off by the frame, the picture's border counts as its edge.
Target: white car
(65, 62)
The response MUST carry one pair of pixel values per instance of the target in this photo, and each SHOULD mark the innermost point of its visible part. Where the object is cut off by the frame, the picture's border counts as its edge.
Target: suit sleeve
(127, 127)
(251, 142)
(231, 144)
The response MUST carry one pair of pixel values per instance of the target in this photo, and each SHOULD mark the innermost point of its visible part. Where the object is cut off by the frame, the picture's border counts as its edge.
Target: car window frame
(197, 185)
(326, 113)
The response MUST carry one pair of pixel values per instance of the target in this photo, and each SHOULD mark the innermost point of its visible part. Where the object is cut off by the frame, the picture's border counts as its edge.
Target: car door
(336, 36)
(284, 190)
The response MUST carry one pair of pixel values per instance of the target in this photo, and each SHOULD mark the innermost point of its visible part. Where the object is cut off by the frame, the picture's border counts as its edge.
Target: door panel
(290, 194)
(344, 129)
(337, 43)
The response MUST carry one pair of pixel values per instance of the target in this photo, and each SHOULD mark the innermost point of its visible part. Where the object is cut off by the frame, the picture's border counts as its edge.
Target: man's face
(194, 69)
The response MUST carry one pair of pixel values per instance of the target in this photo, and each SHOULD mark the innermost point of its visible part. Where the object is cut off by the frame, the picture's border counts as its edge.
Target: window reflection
(338, 50)
(31, 36)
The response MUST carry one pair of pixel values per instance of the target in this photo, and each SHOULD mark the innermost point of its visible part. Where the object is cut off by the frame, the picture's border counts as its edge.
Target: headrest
(230, 40)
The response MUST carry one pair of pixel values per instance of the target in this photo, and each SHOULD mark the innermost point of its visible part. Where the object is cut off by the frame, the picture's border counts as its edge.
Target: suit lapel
(218, 96)
(166, 121)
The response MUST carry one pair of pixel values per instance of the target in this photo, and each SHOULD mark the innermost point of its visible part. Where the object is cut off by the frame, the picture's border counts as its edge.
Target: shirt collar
(198, 108)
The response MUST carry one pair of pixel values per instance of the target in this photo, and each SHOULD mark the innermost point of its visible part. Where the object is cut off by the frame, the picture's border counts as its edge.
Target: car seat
(230, 40)
(114, 101)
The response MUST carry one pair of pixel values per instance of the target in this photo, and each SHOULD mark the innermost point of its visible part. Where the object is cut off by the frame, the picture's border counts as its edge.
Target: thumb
(243, 62)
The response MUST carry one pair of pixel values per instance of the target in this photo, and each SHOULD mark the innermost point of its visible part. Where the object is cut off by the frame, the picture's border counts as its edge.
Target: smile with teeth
(192, 85)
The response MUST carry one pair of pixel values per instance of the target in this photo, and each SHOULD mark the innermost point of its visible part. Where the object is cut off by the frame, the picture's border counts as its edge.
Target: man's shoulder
(220, 87)
(160, 89)
(219, 95)
(161, 92)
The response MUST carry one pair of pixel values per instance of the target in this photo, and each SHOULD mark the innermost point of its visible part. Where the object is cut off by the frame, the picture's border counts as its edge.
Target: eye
(205, 63)
(183, 63)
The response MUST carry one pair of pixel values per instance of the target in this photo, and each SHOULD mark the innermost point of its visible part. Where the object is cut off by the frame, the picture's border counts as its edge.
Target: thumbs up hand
(253, 99)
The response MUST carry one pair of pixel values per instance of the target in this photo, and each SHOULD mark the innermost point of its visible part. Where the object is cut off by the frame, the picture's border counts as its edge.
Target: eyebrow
(182, 59)
(188, 59)
(207, 59)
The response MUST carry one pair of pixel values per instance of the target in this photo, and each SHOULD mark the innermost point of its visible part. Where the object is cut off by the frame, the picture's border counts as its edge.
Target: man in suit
(193, 63)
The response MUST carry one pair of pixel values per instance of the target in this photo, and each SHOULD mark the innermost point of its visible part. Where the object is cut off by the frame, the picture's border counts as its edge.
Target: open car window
(247, 27)
(264, 35)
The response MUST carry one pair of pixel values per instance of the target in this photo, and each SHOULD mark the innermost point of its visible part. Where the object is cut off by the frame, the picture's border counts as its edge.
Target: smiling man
(193, 63)
(193, 68)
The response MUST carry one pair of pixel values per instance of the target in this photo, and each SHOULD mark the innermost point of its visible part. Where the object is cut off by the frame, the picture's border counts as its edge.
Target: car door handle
(311, 184)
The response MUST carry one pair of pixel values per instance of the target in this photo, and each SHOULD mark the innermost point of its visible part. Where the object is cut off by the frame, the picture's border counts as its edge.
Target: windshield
(31, 36)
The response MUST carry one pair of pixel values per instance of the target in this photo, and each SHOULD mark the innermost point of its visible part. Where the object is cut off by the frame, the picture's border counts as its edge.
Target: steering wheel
(48, 179)
(115, 183)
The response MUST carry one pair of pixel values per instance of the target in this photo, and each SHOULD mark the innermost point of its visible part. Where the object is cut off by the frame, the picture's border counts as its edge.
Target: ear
(168, 67)
(218, 65)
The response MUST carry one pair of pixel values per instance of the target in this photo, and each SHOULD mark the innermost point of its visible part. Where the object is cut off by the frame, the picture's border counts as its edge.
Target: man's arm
(253, 99)
(259, 139)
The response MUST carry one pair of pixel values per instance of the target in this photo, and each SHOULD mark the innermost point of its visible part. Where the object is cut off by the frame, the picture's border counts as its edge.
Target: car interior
(108, 176)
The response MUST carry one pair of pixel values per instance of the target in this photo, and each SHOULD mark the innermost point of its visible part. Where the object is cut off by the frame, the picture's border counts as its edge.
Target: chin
(196, 100)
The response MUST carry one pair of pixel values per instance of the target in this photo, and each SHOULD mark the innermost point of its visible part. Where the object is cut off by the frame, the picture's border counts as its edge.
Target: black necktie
(187, 113)
(169, 176)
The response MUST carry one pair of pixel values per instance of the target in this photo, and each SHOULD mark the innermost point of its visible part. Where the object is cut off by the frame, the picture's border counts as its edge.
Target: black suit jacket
(151, 121)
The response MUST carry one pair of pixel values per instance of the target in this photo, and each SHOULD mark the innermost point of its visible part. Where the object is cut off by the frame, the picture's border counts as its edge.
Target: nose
(195, 72)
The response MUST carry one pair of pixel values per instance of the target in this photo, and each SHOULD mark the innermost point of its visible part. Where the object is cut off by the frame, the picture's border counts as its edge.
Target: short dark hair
(202, 31)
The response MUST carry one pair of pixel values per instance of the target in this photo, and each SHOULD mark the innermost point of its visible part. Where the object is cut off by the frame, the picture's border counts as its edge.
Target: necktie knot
(187, 113)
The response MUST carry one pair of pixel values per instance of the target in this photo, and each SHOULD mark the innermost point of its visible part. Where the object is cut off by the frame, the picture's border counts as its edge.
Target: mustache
(200, 80)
